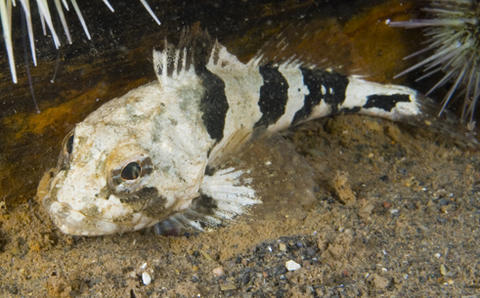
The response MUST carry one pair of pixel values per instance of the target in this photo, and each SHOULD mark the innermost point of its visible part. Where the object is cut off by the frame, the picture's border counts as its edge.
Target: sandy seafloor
(365, 206)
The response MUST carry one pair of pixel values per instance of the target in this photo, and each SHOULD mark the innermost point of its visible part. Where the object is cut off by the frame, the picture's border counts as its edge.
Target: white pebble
(146, 278)
(292, 265)
(218, 271)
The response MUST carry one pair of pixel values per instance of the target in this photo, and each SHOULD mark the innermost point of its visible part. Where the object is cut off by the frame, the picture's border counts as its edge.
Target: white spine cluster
(46, 21)
(452, 31)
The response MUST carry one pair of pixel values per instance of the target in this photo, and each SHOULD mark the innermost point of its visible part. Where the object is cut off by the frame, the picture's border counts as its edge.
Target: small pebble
(228, 287)
(443, 270)
(146, 278)
(380, 282)
(195, 278)
(292, 265)
(282, 247)
(218, 271)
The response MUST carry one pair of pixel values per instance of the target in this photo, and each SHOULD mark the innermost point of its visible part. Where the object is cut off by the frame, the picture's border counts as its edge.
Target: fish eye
(67, 149)
(69, 144)
(131, 171)
(126, 177)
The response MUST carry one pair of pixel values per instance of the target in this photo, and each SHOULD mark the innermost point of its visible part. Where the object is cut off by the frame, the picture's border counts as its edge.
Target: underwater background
(365, 206)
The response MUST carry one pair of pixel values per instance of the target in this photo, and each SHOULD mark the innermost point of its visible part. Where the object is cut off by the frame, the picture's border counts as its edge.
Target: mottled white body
(142, 158)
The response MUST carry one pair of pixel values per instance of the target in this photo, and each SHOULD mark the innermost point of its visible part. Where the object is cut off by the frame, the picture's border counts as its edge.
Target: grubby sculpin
(153, 154)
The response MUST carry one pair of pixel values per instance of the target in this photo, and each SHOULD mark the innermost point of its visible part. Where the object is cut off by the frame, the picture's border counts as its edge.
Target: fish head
(127, 166)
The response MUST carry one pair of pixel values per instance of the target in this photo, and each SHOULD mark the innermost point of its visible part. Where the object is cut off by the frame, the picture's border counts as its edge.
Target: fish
(154, 156)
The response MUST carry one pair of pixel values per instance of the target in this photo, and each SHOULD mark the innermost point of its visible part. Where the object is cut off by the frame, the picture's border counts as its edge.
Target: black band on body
(314, 79)
(214, 104)
(273, 95)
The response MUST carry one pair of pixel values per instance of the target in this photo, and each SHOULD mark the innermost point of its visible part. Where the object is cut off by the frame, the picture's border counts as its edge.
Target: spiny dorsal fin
(170, 64)
(173, 64)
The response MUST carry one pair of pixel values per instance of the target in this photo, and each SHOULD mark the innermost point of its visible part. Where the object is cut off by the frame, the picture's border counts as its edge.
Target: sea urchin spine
(452, 30)
(45, 18)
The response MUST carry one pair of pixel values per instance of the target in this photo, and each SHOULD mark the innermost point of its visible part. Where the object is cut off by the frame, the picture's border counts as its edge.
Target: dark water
(118, 58)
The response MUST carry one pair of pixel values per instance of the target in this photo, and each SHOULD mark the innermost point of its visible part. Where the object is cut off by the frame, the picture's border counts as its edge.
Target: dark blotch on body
(143, 194)
(350, 110)
(385, 102)
(147, 200)
(314, 79)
